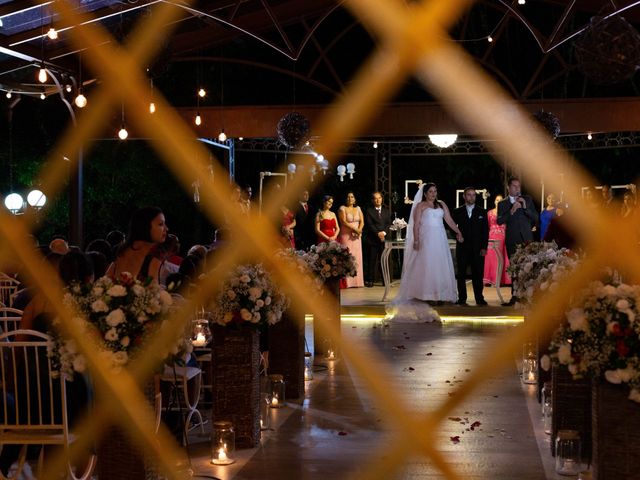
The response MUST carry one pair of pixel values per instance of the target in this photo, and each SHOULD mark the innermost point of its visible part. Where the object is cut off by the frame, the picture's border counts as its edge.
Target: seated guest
(103, 247)
(59, 245)
(173, 254)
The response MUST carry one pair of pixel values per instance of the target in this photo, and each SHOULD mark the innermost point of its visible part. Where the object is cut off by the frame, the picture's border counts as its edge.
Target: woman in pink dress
(351, 224)
(496, 232)
(327, 229)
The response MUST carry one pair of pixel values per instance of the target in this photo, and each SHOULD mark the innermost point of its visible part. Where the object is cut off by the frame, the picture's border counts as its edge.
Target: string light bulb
(42, 74)
(521, 2)
(42, 96)
(375, 144)
(68, 88)
(9, 94)
(202, 93)
(152, 107)
(589, 136)
(490, 39)
(81, 100)
(198, 119)
(222, 137)
(52, 33)
(122, 133)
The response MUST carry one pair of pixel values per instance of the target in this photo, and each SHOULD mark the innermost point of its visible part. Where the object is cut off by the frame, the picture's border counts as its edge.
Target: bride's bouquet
(397, 225)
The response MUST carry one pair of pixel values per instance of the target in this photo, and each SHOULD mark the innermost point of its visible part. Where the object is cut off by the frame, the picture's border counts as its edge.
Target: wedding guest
(327, 228)
(288, 224)
(305, 225)
(589, 198)
(628, 204)
(518, 214)
(351, 225)
(607, 195)
(173, 255)
(472, 222)
(377, 221)
(59, 245)
(496, 232)
(163, 252)
(146, 229)
(245, 200)
(547, 214)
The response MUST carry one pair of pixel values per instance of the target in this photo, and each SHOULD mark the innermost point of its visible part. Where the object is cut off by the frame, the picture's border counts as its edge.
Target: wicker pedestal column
(571, 403)
(286, 353)
(236, 387)
(616, 433)
(332, 295)
(120, 457)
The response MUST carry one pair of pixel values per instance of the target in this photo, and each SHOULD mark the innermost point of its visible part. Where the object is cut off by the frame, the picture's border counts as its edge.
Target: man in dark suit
(377, 221)
(472, 222)
(519, 215)
(304, 230)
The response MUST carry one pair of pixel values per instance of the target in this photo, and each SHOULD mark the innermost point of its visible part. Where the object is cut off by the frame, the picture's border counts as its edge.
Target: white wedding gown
(427, 273)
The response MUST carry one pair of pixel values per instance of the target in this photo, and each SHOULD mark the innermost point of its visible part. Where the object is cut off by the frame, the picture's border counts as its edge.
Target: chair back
(12, 297)
(8, 286)
(10, 319)
(30, 398)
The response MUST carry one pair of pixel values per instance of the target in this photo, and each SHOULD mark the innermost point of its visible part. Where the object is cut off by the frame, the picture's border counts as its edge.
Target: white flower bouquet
(331, 259)
(398, 224)
(249, 297)
(120, 314)
(539, 266)
(601, 335)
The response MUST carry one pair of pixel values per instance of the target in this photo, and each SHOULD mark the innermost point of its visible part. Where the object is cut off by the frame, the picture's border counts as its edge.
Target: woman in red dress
(327, 228)
(496, 232)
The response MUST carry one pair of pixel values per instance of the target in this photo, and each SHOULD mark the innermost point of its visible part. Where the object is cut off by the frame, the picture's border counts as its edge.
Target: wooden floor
(336, 431)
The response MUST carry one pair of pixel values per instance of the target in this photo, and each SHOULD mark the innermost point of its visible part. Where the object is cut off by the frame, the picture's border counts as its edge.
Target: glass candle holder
(530, 363)
(568, 452)
(223, 443)
(276, 391)
(330, 352)
(546, 396)
(308, 366)
(265, 417)
(547, 416)
(200, 332)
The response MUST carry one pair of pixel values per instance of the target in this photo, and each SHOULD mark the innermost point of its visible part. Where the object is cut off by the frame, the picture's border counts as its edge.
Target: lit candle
(274, 401)
(532, 376)
(331, 355)
(200, 340)
(261, 424)
(222, 455)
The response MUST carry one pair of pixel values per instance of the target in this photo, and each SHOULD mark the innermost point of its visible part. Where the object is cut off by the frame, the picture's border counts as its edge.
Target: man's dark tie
(379, 214)
(306, 209)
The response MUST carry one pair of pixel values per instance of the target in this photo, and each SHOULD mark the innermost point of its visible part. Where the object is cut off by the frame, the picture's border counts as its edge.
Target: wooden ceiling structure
(319, 45)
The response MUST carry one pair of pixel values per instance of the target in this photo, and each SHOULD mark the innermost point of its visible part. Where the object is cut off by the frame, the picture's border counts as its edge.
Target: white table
(390, 245)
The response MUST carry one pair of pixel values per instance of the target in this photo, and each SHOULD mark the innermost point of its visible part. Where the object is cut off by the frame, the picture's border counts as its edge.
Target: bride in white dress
(427, 272)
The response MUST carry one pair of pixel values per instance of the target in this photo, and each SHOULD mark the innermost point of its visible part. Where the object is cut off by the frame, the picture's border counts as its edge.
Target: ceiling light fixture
(202, 93)
(443, 140)
(198, 119)
(52, 33)
(42, 74)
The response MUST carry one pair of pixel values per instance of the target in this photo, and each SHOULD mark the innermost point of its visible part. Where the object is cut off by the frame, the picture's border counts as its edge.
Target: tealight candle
(331, 355)
(274, 402)
(200, 340)
(222, 443)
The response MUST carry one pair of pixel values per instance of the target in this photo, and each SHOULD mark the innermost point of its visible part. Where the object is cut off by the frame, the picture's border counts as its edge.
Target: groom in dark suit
(472, 222)
(377, 221)
(519, 215)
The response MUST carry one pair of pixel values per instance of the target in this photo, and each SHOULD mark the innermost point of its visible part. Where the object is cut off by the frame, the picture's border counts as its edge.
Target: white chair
(8, 286)
(13, 296)
(187, 382)
(33, 405)
(10, 319)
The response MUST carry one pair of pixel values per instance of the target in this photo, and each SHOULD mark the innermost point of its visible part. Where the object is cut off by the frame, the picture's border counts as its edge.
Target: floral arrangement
(249, 296)
(539, 266)
(331, 260)
(398, 224)
(297, 259)
(121, 313)
(601, 335)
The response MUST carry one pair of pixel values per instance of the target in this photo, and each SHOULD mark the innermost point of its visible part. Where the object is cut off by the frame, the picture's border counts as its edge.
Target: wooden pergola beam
(418, 119)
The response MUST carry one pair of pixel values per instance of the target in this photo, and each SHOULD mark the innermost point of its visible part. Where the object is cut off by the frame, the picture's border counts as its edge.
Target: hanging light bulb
(42, 96)
(521, 2)
(122, 133)
(152, 107)
(198, 119)
(67, 87)
(241, 138)
(375, 144)
(202, 93)
(490, 39)
(42, 74)
(81, 100)
(52, 33)
(589, 136)
(9, 94)
(222, 137)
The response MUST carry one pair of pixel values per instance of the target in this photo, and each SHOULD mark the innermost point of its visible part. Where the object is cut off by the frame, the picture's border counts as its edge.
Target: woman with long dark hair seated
(146, 229)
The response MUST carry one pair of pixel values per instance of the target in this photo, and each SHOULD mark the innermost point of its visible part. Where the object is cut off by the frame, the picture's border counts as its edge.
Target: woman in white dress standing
(428, 273)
